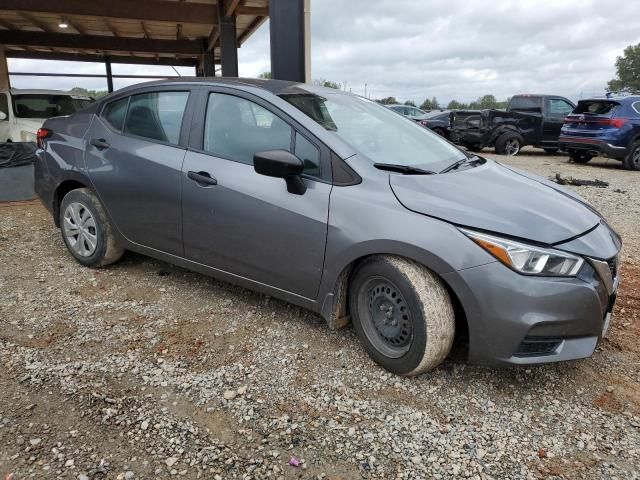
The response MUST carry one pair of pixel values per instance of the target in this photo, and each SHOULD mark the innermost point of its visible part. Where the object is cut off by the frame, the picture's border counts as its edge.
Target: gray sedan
(337, 204)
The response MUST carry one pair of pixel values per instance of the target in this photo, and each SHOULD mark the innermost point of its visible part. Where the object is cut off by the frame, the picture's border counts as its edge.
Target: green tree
(410, 103)
(456, 105)
(487, 101)
(627, 71)
(265, 75)
(430, 104)
(387, 101)
(88, 93)
(329, 84)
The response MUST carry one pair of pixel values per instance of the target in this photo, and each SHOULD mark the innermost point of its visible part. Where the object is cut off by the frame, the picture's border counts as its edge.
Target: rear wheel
(402, 313)
(86, 229)
(632, 160)
(509, 143)
(580, 157)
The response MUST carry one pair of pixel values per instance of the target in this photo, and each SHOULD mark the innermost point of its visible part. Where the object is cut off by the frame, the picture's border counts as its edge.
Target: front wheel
(86, 229)
(632, 160)
(580, 157)
(402, 313)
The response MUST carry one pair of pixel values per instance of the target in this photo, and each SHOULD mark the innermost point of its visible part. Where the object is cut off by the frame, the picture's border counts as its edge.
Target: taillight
(41, 135)
(617, 122)
(607, 122)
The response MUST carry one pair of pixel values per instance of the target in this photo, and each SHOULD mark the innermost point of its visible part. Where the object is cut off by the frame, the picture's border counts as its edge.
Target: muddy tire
(632, 160)
(87, 231)
(580, 157)
(509, 143)
(402, 313)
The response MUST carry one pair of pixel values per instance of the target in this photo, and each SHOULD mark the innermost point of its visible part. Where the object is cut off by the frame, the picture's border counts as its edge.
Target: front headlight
(528, 259)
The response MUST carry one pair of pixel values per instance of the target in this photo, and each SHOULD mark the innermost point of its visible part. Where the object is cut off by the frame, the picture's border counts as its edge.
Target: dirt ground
(145, 370)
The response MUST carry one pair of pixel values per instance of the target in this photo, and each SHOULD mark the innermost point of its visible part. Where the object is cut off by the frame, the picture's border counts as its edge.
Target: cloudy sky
(451, 49)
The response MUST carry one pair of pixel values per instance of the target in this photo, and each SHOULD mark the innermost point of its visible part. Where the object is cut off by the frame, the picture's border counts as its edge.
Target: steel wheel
(387, 321)
(80, 229)
(512, 146)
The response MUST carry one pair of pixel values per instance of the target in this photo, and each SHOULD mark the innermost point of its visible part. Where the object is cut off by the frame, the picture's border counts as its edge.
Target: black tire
(632, 160)
(388, 289)
(580, 157)
(473, 147)
(80, 206)
(551, 151)
(509, 143)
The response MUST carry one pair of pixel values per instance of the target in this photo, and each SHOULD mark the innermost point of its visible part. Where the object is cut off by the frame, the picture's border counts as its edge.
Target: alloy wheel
(80, 229)
(512, 146)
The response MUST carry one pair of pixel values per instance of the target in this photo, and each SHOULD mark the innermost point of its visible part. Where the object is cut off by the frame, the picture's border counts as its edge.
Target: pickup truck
(22, 112)
(528, 120)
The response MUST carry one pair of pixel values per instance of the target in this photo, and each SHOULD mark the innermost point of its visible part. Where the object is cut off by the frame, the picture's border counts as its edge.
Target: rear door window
(115, 112)
(156, 115)
(526, 104)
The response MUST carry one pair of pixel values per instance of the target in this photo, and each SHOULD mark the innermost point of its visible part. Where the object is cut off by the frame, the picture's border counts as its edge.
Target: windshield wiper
(459, 163)
(403, 169)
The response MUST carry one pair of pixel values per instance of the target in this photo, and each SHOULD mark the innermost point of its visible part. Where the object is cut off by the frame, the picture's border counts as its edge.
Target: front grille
(537, 346)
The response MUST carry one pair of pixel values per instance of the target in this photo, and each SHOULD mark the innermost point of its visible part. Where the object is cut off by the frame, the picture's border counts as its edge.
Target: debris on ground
(577, 182)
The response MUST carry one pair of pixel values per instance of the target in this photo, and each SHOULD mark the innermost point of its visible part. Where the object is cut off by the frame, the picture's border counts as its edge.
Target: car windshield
(47, 105)
(376, 131)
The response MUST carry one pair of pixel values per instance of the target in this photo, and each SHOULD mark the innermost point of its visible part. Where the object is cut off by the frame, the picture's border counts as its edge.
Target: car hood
(494, 198)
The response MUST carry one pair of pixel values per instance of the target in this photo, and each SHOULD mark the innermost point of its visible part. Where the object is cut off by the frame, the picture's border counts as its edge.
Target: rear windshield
(526, 104)
(596, 107)
(46, 106)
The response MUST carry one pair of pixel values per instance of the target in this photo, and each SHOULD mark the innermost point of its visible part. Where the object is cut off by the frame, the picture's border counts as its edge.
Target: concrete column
(228, 42)
(107, 65)
(4, 71)
(207, 65)
(290, 40)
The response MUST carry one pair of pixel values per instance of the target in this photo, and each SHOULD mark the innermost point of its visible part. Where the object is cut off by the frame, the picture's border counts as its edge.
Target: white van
(22, 112)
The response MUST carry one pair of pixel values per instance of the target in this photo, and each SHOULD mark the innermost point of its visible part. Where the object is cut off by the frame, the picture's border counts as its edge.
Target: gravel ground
(144, 370)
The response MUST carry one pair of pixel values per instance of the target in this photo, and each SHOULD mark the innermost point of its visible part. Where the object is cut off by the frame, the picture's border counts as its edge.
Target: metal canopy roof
(164, 32)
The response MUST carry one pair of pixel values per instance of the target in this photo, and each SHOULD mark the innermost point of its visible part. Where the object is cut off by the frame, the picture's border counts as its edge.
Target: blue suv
(604, 126)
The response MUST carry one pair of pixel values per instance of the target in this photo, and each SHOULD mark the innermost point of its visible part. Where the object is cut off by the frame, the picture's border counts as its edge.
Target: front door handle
(100, 143)
(203, 179)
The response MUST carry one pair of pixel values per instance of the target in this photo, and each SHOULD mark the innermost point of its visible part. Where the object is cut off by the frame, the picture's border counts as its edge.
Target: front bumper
(592, 145)
(518, 319)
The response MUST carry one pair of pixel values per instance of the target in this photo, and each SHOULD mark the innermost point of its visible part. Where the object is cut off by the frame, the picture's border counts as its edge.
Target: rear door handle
(203, 179)
(100, 143)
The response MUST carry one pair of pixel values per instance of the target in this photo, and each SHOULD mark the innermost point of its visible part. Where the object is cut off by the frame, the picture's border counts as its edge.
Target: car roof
(621, 98)
(277, 87)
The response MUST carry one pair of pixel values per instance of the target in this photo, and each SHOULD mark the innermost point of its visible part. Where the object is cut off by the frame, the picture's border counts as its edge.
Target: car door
(4, 122)
(134, 154)
(557, 111)
(244, 223)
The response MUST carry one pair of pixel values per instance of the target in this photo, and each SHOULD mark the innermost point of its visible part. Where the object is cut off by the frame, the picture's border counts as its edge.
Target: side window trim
(196, 139)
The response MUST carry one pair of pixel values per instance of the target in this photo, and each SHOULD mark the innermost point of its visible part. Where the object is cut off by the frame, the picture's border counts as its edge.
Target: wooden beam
(7, 25)
(144, 30)
(36, 22)
(111, 28)
(213, 38)
(76, 26)
(98, 57)
(253, 26)
(142, 10)
(231, 7)
(100, 42)
(256, 11)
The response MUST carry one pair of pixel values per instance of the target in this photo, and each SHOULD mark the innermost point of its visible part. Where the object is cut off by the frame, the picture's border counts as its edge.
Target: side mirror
(3, 116)
(281, 164)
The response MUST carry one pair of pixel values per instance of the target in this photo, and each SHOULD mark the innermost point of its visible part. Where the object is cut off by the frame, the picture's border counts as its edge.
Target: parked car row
(22, 112)
(601, 126)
